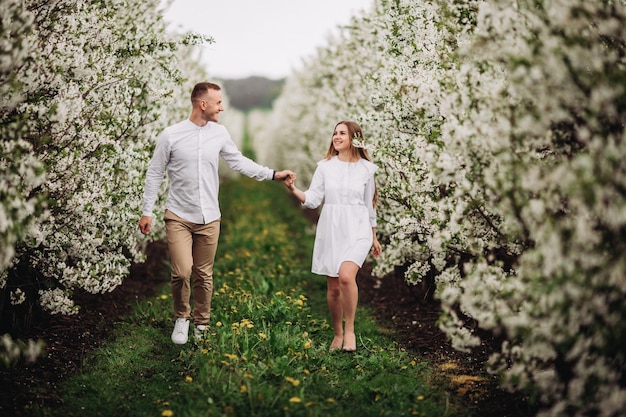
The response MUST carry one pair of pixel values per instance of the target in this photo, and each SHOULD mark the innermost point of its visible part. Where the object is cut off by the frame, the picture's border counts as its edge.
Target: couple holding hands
(346, 230)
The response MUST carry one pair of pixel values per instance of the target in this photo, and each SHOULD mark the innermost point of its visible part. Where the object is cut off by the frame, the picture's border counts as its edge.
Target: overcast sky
(261, 37)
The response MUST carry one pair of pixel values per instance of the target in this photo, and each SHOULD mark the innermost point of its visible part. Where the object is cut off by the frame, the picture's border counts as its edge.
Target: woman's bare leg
(349, 300)
(333, 296)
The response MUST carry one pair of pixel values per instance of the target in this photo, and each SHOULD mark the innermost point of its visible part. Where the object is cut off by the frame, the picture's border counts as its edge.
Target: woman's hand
(290, 182)
(376, 248)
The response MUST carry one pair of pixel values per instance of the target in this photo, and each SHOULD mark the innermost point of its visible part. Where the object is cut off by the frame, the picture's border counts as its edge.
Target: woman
(346, 229)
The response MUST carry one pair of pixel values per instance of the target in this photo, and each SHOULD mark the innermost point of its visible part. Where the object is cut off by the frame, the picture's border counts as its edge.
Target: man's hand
(287, 176)
(145, 223)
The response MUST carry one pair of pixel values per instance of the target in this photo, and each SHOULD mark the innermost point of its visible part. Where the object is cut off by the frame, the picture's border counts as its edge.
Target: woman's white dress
(344, 229)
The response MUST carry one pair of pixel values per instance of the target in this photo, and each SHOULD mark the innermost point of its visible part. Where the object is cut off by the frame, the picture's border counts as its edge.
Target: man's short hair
(201, 88)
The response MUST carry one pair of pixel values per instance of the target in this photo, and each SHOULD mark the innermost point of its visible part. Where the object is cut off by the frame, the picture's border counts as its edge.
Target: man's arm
(154, 178)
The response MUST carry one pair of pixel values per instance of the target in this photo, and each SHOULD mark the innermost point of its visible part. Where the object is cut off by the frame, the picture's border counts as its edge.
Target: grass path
(267, 354)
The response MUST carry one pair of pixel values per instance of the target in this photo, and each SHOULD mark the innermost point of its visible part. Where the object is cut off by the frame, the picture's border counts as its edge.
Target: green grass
(267, 354)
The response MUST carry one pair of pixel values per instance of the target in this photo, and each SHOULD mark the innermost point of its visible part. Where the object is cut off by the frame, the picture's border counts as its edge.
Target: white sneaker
(181, 331)
(199, 331)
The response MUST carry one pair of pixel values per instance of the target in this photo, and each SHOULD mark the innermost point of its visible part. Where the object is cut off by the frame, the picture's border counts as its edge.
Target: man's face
(212, 105)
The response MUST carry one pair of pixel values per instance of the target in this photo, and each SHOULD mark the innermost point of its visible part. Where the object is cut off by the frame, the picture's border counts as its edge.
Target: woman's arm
(312, 197)
(291, 186)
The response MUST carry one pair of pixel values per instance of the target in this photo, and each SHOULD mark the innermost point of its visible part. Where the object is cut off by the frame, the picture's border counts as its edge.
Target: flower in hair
(359, 142)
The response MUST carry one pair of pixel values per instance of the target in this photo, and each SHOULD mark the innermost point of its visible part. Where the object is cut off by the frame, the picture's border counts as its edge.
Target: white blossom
(498, 128)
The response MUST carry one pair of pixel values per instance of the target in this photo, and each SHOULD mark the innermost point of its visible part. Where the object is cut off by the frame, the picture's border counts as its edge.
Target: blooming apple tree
(499, 130)
(86, 87)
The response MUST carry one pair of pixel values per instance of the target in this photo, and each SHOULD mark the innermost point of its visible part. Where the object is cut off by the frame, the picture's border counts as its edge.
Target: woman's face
(341, 138)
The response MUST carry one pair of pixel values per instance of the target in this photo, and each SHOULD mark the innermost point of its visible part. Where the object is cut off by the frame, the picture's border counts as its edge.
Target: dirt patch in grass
(70, 338)
(402, 311)
(410, 314)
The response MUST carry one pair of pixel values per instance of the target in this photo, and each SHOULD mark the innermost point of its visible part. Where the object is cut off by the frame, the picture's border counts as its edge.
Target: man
(190, 152)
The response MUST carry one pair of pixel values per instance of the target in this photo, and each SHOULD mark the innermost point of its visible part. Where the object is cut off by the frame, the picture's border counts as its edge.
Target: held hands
(290, 183)
(287, 176)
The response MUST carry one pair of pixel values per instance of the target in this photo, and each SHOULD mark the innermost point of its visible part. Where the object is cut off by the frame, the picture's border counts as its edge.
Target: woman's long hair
(354, 131)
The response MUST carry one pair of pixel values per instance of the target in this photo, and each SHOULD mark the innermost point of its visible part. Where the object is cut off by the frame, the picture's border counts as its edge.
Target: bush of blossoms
(549, 143)
(20, 171)
(86, 87)
(359, 77)
(499, 129)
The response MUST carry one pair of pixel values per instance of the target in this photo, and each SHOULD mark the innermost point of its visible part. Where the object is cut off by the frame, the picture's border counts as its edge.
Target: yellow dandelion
(307, 344)
(330, 400)
(306, 372)
(295, 400)
(188, 379)
(243, 388)
(263, 336)
(164, 297)
(219, 324)
(292, 381)
(304, 335)
(167, 413)
(231, 356)
(420, 398)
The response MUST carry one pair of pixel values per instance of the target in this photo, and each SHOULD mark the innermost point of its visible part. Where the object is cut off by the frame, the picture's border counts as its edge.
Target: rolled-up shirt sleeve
(155, 173)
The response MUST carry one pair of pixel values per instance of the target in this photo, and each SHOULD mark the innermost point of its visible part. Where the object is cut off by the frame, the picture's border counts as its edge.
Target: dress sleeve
(315, 194)
(368, 197)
